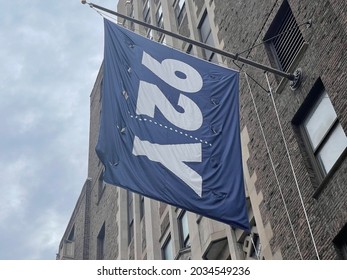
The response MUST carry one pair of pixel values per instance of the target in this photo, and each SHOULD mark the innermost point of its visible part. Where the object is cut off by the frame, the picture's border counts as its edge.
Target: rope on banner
(273, 167)
(291, 166)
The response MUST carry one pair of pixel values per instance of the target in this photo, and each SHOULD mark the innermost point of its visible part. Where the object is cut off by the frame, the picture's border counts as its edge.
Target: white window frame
(320, 135)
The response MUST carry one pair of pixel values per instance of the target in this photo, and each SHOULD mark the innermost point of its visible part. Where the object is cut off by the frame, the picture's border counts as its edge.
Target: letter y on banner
(170, 128)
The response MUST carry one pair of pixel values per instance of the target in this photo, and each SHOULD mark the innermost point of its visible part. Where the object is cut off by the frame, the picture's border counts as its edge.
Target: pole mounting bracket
(296, 82)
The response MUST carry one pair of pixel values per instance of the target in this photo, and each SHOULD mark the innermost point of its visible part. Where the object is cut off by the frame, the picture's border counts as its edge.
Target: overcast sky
(50, 54)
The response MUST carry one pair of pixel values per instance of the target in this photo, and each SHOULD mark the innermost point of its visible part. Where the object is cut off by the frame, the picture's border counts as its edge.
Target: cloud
(44, 235)
(13, 198)
(50, 55)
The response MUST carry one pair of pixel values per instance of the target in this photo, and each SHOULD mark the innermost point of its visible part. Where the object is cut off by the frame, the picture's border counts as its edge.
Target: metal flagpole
(295, 78)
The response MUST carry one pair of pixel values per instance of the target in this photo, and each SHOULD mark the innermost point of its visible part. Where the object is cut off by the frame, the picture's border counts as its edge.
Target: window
(340, 243)
(150, 34)
(101, 185)
(72, 234)
(146, 12)
(218, 249)
(284, 39)
(142, 206)
(162, 39)
(132, 24)
(69, 246)
(159, 16)
(184, 230)
(180, 10)
(206, 37)
(256, 246)
(100, 95)
(167, 249)
(322, 132)
(189, 49)
(100, 245)
(147, 18)
(159, 21)
(162, 207)
(326, 135)
(130, 217)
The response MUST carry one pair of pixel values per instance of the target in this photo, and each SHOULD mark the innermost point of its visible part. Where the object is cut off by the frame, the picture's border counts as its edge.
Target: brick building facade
(293, 142)
(322, 58)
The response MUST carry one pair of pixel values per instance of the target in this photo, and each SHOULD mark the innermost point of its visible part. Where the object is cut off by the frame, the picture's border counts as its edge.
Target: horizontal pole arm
(236, 57)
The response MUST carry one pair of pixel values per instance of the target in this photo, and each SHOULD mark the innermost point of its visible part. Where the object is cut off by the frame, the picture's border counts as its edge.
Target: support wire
(273, 167)
(291, 166)
(257, 253)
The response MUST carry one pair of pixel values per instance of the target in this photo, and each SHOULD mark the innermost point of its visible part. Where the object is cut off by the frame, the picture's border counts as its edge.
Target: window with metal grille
(284, 39)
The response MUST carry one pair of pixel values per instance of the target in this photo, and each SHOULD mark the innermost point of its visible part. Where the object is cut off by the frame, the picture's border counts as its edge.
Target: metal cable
(291, 166)
(273, 167)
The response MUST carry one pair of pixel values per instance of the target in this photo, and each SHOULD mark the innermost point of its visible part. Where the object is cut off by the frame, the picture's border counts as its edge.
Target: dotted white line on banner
(170, 128)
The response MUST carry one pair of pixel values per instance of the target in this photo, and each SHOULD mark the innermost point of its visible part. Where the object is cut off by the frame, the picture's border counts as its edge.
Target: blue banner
(170, 128)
